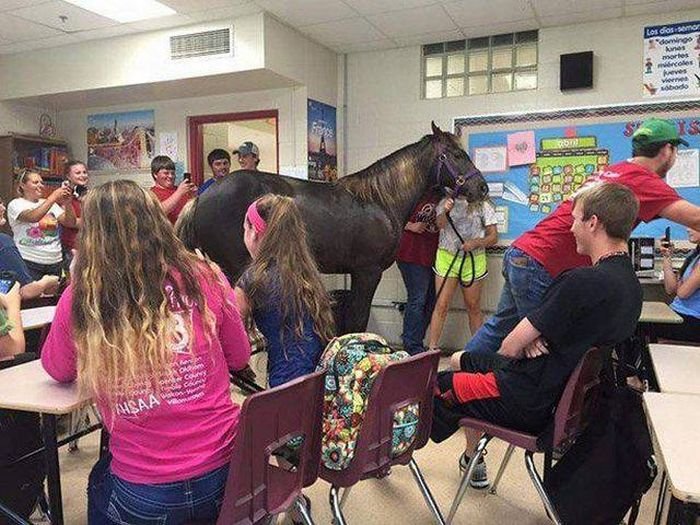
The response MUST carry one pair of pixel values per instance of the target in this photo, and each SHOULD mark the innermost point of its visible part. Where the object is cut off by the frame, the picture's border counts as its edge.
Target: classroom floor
(393, 500)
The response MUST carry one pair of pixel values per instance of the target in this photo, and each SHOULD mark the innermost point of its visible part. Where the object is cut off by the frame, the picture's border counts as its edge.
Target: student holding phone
(34, 222)
(172, 198)
(11, 332)
(76, 174)
(686, 286)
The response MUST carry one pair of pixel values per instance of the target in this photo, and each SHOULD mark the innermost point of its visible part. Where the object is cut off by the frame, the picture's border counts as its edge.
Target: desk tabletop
(673, 422)
(658, 312)
(37, 317)
(677, 368)
(28, 387)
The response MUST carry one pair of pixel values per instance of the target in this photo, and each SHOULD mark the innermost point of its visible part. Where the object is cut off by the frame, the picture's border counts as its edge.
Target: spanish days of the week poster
(671, 60)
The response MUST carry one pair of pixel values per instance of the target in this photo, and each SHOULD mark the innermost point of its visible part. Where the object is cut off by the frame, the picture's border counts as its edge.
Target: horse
(354, 224)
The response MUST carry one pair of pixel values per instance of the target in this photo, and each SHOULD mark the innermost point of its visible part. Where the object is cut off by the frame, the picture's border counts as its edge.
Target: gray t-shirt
(470, 220)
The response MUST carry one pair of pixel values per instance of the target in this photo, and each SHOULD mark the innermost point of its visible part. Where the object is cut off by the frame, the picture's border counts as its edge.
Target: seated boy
(590, 306)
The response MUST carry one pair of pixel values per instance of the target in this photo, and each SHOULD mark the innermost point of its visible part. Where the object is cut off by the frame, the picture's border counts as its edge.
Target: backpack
(352, 363)
(609, 467)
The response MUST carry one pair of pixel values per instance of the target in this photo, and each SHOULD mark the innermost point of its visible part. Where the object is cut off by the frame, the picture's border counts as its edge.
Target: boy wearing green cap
(537, 257)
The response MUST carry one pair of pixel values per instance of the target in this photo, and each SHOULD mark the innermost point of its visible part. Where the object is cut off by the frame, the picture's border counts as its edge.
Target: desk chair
(256, 487)
(571, 416)
(401, 383)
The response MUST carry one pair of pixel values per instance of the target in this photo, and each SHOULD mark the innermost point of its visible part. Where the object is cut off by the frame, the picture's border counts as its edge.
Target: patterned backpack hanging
(352, 363)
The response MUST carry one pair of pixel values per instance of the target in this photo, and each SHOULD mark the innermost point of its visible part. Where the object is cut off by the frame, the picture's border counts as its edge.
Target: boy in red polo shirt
(172, 198)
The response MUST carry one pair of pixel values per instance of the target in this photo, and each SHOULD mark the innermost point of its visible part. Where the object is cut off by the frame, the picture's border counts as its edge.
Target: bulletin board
(534, 161)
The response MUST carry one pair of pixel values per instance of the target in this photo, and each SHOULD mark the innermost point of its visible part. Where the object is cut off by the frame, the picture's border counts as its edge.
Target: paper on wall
(490, 160)
(168, 144)
(521, 148)
(495, 189)
(502, 219)
(686, 171)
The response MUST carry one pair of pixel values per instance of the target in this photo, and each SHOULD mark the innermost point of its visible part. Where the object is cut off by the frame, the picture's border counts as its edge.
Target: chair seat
(515, 437)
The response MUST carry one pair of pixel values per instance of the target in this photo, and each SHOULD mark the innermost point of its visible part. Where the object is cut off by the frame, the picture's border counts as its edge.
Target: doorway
(228, 131)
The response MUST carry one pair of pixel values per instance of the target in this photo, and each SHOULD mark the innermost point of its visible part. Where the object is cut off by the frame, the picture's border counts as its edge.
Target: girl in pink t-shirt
(151, 331)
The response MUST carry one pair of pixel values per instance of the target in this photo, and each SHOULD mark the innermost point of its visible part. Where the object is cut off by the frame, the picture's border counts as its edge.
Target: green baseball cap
(655, 130)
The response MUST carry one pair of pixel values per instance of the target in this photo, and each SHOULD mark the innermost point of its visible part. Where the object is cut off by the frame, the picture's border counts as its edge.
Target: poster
(168, 144)
(120, 141)
(671, 60)
(323, 156)
(521, 148)
(490, 160)
(685, 173)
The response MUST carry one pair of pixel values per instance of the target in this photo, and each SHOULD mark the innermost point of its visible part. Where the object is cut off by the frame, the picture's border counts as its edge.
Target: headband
(255, 219)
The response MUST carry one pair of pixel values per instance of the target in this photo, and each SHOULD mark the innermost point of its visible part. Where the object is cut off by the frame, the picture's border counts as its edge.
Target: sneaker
(480, 478)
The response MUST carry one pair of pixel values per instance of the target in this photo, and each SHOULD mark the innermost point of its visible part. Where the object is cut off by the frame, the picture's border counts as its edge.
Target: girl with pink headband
(282, 289)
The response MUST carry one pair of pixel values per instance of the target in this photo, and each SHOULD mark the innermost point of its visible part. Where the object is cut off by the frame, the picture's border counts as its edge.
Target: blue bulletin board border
(613, 139)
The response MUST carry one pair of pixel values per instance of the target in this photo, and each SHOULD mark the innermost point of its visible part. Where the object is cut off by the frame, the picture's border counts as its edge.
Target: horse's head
(453, 168)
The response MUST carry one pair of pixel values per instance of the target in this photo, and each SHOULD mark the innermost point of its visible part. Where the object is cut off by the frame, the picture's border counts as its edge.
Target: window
(492, 64)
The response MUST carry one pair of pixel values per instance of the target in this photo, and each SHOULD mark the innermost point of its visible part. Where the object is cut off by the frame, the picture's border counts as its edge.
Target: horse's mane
(391, 179)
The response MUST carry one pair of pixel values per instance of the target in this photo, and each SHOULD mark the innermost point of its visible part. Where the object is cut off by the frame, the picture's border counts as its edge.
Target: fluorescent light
(125, 11)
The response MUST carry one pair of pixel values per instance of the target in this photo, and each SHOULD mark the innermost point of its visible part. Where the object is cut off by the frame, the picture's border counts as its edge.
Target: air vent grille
(205, 43)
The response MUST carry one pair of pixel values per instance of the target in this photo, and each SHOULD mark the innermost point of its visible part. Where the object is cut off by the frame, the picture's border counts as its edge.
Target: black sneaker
(480, 478)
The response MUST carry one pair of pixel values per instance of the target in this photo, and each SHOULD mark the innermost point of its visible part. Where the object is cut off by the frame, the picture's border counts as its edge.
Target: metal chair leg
(464, 485)
(425, 490)
(338, 518)
(300, 505)
(502, 468)
(661, 501)
(535, 477)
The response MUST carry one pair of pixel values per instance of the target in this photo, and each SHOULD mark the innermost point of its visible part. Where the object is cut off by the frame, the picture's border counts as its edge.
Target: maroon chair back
(255, 487)
(579, 398)
(398, 385)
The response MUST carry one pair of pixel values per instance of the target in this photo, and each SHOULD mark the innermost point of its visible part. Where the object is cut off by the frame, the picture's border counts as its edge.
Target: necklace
(617, 253)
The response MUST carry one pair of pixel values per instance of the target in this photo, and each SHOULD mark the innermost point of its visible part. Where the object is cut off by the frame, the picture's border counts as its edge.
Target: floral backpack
(352, 363)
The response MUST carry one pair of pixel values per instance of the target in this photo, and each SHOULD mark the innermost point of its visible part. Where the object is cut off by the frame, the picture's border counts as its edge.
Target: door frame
(195, 137)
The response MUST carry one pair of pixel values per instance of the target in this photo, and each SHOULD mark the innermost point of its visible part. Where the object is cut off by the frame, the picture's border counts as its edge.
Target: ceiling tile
(49, 15)
(429, 38)
(7, 5)
(580, 18)
(547, 8)
(492, 12)
(371, 7)
(375, 45)
(105, 32)
(499, 29)
(410, 22)
(153, 24)
(191, 6)
(307, 12)
(51, 42)
(225, 13)
(18, 29)
(350, 31)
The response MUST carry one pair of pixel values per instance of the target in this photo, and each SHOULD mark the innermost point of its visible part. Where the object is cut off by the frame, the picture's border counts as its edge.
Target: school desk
(677, 368)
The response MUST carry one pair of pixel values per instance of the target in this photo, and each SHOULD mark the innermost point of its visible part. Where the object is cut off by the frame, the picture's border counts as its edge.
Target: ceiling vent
(202, 44)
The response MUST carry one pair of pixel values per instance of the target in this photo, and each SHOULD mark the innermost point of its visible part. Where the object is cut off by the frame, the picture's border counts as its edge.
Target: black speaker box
(576, 70)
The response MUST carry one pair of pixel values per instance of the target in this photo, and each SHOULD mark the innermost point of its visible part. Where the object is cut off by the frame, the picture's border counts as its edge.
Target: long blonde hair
(285, 248)
(122, 316)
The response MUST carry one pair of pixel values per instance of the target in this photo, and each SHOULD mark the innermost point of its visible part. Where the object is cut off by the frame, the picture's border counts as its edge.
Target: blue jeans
(112, 500)
(420, 290)
(526, 282)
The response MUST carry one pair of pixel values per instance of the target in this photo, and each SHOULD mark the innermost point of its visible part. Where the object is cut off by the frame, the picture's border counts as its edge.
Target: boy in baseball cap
(248, 155)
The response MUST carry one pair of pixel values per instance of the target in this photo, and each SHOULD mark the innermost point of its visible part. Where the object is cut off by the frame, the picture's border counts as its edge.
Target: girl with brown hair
(282, 289)
(151, 331)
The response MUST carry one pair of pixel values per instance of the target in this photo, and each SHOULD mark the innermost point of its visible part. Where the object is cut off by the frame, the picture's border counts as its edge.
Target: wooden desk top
(28, 387)
(658, 312)
(677, 368)
(37, 317)
(673, 423)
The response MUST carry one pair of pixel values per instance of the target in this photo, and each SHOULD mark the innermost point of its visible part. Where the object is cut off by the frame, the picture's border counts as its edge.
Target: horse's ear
(458, 131)
(436, 131)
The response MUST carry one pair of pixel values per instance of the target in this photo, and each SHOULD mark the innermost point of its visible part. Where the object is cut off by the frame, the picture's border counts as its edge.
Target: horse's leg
(364, 284)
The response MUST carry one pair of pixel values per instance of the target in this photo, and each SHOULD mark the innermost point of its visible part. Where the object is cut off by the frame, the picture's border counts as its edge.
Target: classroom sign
(671, 60)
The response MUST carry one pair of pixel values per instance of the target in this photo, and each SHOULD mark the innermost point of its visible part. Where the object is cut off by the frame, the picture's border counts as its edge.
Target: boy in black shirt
(591, 306)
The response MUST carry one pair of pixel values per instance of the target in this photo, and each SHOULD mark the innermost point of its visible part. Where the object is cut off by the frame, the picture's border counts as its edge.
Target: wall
(19, 118)
(385, 112)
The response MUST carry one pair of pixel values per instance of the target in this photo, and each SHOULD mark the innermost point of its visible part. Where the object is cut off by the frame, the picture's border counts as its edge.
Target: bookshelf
(18, 151)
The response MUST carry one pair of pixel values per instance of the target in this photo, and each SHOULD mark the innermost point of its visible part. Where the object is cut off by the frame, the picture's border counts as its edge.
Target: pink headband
(255, 219)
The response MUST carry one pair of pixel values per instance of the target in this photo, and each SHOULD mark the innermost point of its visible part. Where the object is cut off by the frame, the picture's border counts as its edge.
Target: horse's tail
(184, 226)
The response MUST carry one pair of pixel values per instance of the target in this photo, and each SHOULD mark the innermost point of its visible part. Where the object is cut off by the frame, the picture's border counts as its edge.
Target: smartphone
(667, 235)
(6, 285)
(187, 176)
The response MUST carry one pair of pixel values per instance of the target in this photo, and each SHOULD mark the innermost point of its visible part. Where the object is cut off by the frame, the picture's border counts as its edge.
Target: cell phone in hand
(6, 285)
(666, 240)
(187, 177)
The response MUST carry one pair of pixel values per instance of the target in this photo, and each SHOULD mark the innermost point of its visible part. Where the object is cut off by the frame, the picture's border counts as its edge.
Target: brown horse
(354, 224)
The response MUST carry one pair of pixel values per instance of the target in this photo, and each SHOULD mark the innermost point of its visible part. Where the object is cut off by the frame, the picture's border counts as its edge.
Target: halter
(460, 180)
